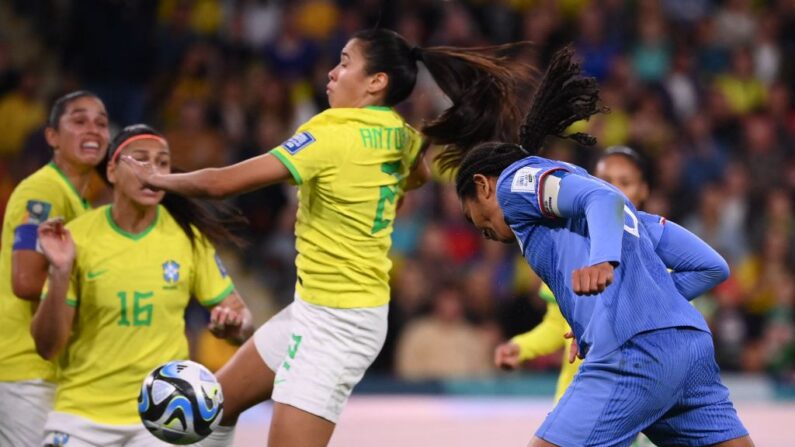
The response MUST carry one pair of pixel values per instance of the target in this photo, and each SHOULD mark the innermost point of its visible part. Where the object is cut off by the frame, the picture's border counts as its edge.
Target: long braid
(564, 96)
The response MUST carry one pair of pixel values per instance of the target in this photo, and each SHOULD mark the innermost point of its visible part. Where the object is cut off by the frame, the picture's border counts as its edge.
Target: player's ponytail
(214, 220)
(486, 85)
(564, 96)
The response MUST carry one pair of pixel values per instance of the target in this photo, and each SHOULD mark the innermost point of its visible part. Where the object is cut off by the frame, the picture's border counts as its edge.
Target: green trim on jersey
(289, 165)
(220, 297)
(382, 108)
(85, 203)
(127, 234)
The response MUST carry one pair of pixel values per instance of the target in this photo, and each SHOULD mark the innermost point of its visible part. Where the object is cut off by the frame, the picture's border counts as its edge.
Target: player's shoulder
(524, 174)
(44, 183)
(92, 224)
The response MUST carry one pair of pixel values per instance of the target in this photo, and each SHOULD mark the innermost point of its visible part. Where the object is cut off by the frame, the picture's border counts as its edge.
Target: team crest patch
(524, 180)
(221, 266)
(298, 142)
(171, 271)
(37, 211)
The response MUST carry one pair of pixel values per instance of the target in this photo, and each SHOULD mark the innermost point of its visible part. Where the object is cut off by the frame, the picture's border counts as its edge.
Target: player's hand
(574, 352)
(144, 171)
(225, 322)
(506, 356)
(592, 280)
(56, 244)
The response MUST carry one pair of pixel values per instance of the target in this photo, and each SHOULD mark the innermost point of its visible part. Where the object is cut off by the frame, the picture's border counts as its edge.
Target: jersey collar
(85, 203)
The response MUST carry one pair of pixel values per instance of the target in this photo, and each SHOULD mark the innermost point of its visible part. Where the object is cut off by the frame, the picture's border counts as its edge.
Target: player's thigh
(247, 378)
(704, 414)
(23, 411)
(315, 431)
(330, 351)
(616, 395)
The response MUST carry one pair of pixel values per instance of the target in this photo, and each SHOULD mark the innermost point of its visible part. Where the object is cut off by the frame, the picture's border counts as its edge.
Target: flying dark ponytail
(564, 96)
(214, 220)
(486, 85)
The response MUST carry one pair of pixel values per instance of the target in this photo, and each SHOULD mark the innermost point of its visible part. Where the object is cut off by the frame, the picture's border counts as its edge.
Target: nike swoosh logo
(278, 381)
(95, 275)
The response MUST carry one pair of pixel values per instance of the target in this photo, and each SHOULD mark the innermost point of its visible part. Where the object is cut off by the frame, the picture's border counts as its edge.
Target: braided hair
(564, 96)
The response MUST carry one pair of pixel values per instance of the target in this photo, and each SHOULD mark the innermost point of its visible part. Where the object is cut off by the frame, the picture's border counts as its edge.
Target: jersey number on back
(388, 193)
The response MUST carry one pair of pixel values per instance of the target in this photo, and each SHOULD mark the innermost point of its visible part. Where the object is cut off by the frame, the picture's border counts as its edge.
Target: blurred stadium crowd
(702, 88)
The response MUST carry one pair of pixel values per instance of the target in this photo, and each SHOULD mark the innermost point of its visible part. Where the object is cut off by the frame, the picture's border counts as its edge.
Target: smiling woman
(130, 268)
(77, 131)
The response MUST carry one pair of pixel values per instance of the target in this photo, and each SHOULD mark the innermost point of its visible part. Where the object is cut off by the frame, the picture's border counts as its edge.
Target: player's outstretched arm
(543, 339)
(54, 317)
(696, 267)
(215, 183)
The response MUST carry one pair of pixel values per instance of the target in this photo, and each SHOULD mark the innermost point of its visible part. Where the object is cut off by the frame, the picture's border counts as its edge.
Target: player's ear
(110, 171)
(378, 83)
(51, 135)
(482, 186)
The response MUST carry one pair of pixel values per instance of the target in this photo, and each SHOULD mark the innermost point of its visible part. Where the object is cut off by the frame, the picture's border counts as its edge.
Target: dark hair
(630, 155)
(564, 96)
(60, 105)
(214, 220)
(485, 84)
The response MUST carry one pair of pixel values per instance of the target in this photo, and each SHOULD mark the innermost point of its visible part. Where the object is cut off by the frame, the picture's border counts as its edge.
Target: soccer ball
(181, 402)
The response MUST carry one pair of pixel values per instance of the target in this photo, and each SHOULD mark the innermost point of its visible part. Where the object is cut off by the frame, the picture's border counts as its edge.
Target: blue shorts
(664, 383)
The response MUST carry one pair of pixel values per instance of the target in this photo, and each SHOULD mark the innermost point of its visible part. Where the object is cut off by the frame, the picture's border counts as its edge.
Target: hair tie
(416, 53)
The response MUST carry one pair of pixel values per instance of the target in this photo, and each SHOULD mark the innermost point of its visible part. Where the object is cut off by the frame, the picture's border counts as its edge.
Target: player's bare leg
(291, 427)
(245, 380)
(744, 441)
(538, 442)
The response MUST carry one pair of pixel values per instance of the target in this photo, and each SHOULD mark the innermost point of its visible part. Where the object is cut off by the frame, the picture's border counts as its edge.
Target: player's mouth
(149, 192)
(90, 146)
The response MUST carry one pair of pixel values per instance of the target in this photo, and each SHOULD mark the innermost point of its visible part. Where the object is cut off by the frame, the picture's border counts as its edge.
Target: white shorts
(23, 410)
(74, 431)
(320, 353)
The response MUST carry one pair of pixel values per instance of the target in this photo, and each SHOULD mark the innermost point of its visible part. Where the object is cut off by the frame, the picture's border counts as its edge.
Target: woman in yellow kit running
(77, 131)
(623, 168)
(351, 163)
(120, 279)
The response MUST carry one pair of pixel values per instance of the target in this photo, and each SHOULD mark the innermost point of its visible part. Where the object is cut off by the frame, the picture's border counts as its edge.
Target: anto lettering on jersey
(298, 142)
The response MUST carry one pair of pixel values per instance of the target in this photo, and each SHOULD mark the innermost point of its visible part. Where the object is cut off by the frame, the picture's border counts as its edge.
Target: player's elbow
(720, 271)
(24, 286)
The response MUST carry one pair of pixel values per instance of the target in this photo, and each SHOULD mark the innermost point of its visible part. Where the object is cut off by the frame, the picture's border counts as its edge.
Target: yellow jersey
(547, 338)
(44, 194)
(350, 166)
(130, 291)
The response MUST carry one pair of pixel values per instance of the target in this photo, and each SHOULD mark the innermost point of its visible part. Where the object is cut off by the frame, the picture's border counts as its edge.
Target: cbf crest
(171, 271)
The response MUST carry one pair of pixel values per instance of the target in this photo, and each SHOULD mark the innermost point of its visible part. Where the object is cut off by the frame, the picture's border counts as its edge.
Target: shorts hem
(717, 439)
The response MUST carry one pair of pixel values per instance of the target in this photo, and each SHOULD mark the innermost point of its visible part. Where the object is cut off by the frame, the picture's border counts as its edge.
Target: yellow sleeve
(567, 371)
(211, 282)
(545, 338)
(309, 152)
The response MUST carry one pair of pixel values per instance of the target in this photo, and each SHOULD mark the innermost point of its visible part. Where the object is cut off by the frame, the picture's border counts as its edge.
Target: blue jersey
(643, 296)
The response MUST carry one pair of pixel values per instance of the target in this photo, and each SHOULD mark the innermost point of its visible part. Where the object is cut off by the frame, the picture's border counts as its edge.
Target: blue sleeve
(602, 207)
(696, 267)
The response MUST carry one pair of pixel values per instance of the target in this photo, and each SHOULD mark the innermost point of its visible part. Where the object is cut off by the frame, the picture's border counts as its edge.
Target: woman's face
(485, 213)
(125, 184)
(349, 84)
(82, 135)
(624, 175)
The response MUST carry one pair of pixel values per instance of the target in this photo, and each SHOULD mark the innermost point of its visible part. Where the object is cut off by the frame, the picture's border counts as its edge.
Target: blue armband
(25, 237)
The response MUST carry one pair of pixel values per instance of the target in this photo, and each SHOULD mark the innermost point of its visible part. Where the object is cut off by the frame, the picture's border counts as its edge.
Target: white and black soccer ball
(181, 402)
